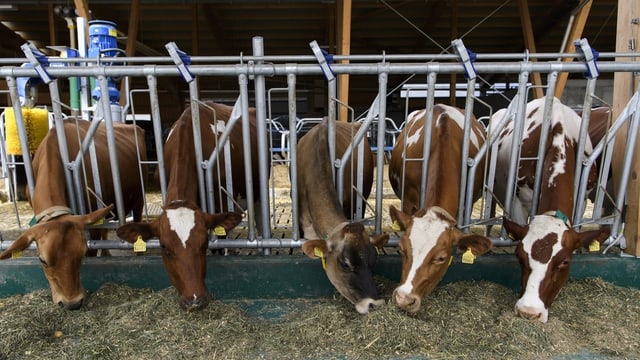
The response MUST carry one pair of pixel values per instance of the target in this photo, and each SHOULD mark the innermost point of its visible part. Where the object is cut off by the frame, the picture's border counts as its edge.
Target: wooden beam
(530, 44)
(195, 37)
(454, 35)
(217, 31)
(624, 85)
(52, 25)
(82, 8)
(132, 36)
(576, 33)
(344, 40)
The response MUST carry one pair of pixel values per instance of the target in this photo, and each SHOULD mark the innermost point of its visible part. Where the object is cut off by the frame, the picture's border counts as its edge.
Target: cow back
(445, 159)
(48, 169)
(180, 161)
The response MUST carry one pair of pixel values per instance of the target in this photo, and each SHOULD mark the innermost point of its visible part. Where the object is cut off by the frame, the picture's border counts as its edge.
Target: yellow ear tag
(594, 246)
(139, 245)
(395, 226)
(16, 254)
(219, 231)
(99, 222)
(450, 260)
(468, 257)
(319, 253)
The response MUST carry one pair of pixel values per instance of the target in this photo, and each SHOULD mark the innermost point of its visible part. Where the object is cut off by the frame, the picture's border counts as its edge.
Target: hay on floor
(459, 320)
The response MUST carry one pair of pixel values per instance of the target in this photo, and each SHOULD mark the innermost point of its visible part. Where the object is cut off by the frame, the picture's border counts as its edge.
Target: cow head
(427, 247)
(348, 256)
(544, 253)
(61, 244)
(183, 232)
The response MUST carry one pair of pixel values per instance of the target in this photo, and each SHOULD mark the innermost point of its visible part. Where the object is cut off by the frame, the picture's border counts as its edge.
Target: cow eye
(440, 259)
(345, 265)
(564, 263)
(44, 263)
(165, 251)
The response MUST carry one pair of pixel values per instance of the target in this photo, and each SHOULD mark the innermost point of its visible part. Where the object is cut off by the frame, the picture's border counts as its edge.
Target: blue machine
(103, 42)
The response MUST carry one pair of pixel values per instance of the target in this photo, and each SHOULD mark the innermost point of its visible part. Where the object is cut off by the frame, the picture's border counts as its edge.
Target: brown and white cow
(347, 251)
(60, 235)
(548, 241)
(183, 228)
(430, 233)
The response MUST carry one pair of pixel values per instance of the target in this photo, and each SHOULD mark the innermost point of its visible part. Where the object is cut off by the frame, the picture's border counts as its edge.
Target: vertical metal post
(152, 82)
(468, 114)
(264, 158)
(293, 153)
(544, 135)
(111, 142)
(428, 125)
(246, 143)
(383, 78)
(517, 136)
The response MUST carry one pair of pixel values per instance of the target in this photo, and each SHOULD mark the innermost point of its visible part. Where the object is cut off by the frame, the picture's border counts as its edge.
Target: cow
(430, 233)
(183, 228)
(546, 242)
(60, 235)
(348, 252)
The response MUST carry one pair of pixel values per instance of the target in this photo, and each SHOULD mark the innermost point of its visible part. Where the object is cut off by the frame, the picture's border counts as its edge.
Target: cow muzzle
(365, 305)
(73, 305)
(194, 302)
(407, 302)
(532, 313)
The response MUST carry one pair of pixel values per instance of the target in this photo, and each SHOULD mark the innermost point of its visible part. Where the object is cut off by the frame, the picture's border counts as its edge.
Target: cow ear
(314, 248)
(586, 238)
(514, 230)
(379, 240)
(477, 243)
(130, 232)
(19, 244)
(399, 217)
(228, 220)
(95, 216)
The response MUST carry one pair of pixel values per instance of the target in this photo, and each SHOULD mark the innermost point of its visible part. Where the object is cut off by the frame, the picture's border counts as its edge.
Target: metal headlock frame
(257, 67)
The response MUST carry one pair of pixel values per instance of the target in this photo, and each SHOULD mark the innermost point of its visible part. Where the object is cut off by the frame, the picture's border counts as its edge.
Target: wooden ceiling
(226, 27)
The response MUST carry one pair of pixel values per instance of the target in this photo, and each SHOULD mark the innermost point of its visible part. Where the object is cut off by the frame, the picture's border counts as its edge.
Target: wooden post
(575, 33)
(344, 14)
(624, 85)
(530, 43)
(132, 35)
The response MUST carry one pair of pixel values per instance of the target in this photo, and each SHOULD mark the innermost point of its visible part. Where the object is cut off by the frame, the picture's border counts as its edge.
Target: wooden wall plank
(625, 84)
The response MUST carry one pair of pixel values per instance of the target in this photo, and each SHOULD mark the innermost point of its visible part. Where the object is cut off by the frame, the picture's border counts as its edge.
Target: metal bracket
(38, 60)
(181, 59)
(589, 56)
(467, 57)
(323, 59)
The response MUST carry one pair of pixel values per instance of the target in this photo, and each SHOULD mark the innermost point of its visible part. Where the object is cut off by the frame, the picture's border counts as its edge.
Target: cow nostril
(61, 304)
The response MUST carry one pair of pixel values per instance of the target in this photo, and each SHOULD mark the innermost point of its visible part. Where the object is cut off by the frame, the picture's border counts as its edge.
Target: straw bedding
(464, 320)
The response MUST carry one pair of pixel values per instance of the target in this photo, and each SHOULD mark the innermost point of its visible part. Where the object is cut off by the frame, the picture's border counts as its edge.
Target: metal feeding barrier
(257, 68)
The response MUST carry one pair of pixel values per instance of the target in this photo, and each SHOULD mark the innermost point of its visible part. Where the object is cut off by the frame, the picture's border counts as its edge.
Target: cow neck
(443, 181)
(52, 213)
(556, 192)
(49, 188)
(329, 213)
(182, 183)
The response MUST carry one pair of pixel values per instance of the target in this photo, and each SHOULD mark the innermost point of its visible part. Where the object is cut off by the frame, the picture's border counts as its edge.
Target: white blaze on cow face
(427, 252)
(181, 221)
(541, 245)
(423, 237)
